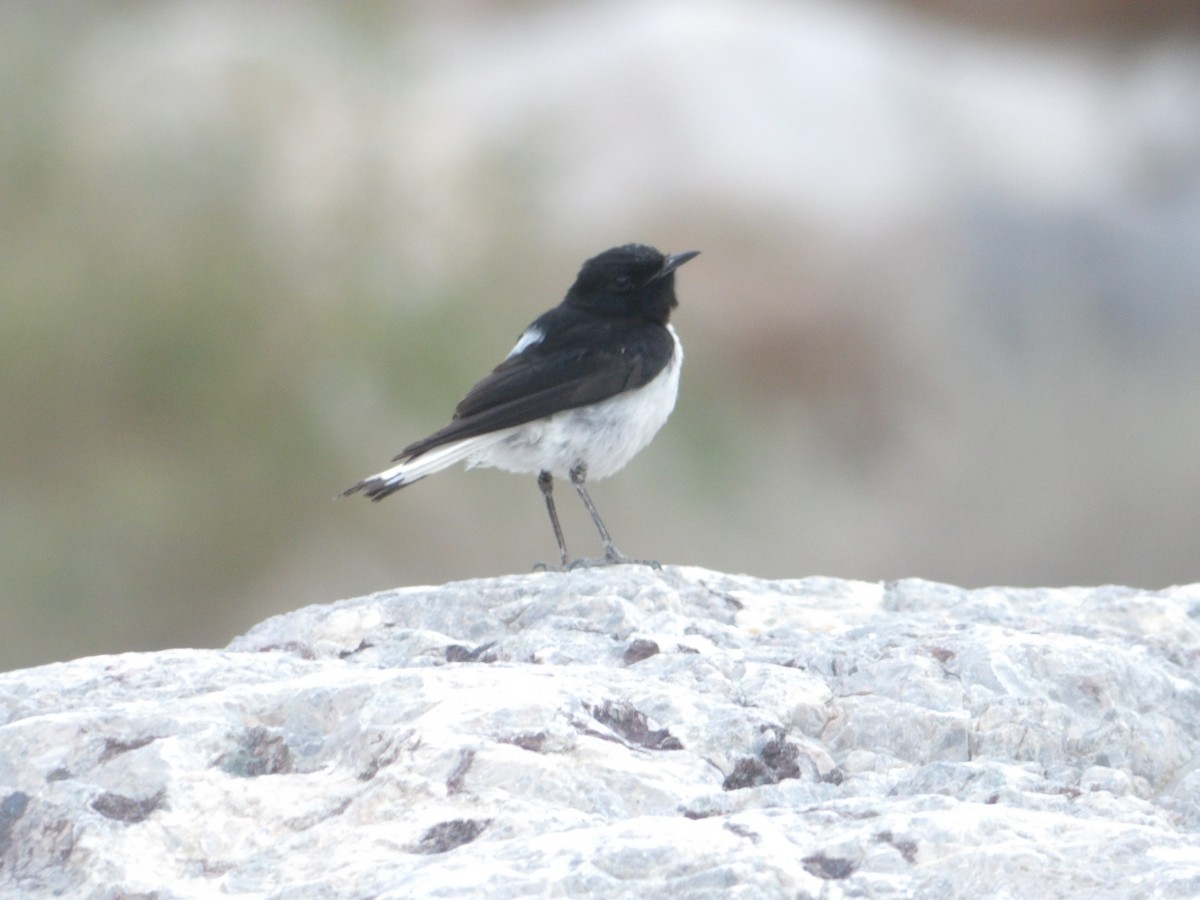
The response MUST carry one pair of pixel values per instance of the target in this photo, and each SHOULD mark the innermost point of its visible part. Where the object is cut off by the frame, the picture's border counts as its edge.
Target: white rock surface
(626, 733)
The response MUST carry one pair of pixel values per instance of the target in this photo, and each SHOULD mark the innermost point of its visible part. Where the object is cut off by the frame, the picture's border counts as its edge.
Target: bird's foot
(613, 557)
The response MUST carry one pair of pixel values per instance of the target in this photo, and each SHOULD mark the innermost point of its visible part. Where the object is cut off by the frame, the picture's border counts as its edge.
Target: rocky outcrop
(626, 732)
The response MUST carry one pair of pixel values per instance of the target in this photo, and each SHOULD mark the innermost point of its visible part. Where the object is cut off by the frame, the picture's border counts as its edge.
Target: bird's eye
(623, 282)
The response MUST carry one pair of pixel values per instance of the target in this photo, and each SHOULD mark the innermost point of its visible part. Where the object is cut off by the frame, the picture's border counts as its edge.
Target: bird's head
(632, 281)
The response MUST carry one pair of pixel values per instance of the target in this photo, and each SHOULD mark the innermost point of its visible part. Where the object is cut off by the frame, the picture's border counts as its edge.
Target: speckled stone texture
(626, 732)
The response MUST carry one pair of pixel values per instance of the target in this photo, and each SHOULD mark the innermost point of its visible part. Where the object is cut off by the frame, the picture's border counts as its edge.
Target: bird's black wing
(581, 360)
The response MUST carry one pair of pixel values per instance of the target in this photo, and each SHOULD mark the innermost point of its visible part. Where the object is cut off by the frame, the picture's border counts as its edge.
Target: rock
(626, 732)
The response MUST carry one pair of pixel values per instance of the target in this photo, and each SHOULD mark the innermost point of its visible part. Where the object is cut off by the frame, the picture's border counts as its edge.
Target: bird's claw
(612, 559)
(597, 563)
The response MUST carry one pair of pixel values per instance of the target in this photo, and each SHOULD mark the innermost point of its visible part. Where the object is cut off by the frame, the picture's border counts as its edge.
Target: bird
(585, 388)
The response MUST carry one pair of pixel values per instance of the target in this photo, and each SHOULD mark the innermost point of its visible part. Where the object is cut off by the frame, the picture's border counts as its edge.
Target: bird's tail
(415, 468)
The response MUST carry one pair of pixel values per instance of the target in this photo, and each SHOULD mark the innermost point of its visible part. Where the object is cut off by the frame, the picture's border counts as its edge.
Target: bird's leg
(578, 477)
(611, 554)
(546, 485)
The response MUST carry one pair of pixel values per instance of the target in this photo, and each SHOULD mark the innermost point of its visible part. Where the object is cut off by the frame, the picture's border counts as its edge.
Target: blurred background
(945, 323)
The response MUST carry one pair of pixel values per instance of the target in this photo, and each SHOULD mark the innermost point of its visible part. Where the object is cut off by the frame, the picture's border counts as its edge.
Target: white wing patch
(528, 338)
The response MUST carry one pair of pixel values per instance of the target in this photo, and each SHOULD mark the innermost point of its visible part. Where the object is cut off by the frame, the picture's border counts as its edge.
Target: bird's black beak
(673, 262)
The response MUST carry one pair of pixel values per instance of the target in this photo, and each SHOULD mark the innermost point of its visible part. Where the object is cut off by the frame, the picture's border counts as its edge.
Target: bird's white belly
(604, 436)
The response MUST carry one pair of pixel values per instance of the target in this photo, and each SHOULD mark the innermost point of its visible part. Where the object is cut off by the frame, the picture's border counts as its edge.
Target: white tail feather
(434, 460)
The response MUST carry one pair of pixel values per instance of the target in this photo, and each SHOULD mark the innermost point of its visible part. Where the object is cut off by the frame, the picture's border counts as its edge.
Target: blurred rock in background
(945, 323)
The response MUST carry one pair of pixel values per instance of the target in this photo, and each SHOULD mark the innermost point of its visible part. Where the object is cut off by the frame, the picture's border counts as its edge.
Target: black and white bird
(588, 385)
